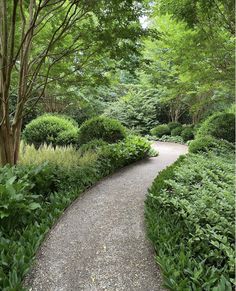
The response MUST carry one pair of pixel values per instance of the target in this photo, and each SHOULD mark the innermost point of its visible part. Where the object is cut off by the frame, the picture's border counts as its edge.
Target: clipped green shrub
(109, 130)
(207, 143)
(130, 149)
(220, 125)
(190, 220)
(69, 137)
(187, 134)
(177, 131)
(160, 130)
(67, 117)
(173, 125)
(50, 129)
(93, 145)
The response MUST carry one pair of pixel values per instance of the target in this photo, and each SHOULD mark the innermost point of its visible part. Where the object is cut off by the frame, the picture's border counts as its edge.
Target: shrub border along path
(100, 243)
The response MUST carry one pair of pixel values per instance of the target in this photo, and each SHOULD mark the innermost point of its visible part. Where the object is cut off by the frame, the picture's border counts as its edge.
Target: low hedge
(131, 149)
(190, 220)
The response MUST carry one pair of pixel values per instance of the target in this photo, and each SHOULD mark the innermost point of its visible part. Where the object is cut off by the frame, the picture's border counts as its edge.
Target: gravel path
(99, 243)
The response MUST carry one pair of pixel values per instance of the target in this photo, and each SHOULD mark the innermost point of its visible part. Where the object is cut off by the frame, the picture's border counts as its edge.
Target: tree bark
(10, 144)
(6, 146)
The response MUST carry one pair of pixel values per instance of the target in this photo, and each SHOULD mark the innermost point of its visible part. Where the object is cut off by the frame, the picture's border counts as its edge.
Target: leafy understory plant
(190, 218)
(16, 198)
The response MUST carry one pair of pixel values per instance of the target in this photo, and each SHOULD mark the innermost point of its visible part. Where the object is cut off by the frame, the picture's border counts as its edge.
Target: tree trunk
(9, 144)
(174, 113)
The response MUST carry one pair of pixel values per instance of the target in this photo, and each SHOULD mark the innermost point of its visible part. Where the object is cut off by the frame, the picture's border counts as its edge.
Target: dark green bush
(109, 130)
(207, 143)
(50, 129)
(173, 125)
(220, 125)
(187, 133)
(177, 131)
(160, 130)
(190, 219)
(131, 149)
(67, 117)
(69, 137)
(93, 145)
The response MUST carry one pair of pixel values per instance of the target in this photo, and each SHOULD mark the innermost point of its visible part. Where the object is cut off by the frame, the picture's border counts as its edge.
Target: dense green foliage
(169, 73)
(93, 145)
(173, 125)
(187, 133)
(190, 218)
(109, 130)
(206, 143)
(160, 130)
(182, 56)
(41, 187)
(170, 138)
(131, 149)
(51, 129)
(173, 132)
(16, 198)
(220, 125)
(177, 131)
(139, 109)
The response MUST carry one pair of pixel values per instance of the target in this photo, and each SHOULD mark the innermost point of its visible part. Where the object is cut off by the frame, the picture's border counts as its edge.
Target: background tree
(51, 31)
(191, 55)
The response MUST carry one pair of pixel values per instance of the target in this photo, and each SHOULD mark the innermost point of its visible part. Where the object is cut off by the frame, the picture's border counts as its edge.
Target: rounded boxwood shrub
(220, 125)
(177, 131)
(207, 143)
(160, 130)
(50, 129)
(187, 134)
(67, 117)
(173, 125)
(109, 130)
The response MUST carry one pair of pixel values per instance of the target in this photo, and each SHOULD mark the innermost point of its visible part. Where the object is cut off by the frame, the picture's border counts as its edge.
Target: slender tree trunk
(15, 56)
(174, 113)
(6, 146)
(17, 134)
(10, 143)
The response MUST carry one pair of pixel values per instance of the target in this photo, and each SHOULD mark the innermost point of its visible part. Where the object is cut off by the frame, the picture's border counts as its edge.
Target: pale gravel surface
(100, 243)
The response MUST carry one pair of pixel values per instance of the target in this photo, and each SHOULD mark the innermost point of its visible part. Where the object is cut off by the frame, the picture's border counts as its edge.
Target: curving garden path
(99, 243)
